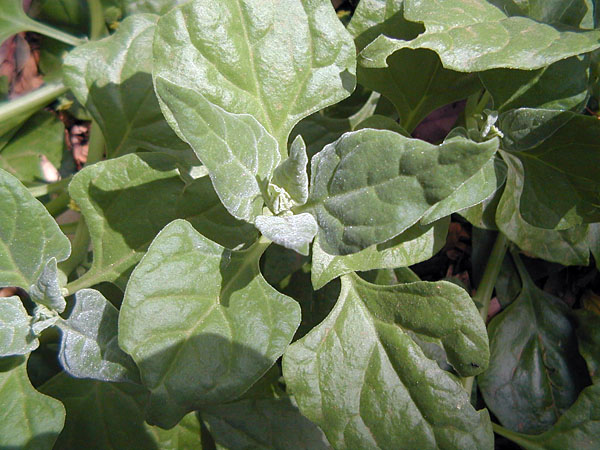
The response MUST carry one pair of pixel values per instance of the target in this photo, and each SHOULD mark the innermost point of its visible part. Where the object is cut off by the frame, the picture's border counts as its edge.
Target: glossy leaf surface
(200, 322)
(89, 347)
(112, 79)
(29, 420)
(278, 61)
(371, 185)
(29, 236)
(361, 377)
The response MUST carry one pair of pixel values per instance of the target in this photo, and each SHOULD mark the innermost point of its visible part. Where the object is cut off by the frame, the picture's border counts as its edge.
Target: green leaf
(149, 6)
(28, 420)
(578, 428)
(562, 86)
(588, 338)
(263, 424)
(278, 62)
(41, 135)
(482, 39)
(295, 232)
(417, 244)
(371, 185)
(89, 347)
(128, 200)
(47, 291)
(111, 416)
(238, 152)
(535, 373)
(16, 337)
(563, 147)
(474, 191)
(575, 13)
(112, 79)
(291, 174)
(361, 377)
(29, 236)
(567, 247)
(201, 323)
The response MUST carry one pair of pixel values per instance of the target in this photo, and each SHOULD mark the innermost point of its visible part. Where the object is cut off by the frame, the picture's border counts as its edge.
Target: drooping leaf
(560, 154)
(29, 236)
(112, 79)
(562, 86)
(200, 322)
(371, 185)
(361, 377)
(263, 424)
(111, 416)
(41, 136)
(238, 152)
(29, 420)
(89, 347)
(588, 338)
(578, 427)
(126, 201)
(16, 337)
(567, 247)
(535, 372)
(475, 35)
(295, 232)
(416, 244)
(278, 62)
(47, 291)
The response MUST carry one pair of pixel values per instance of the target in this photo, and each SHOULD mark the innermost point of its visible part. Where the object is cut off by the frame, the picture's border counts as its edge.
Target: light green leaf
(291, 174)
(535, 372)
(567, 247)
(263, 424)
(16, 337)
(41, 135)
(47, 291)
(474, 35)
(126, 201)
(278, 61)
(578, 428)
(238, 152)
(474, 191)
(111, 416)
(371, 185)
(112, 79)
(560, 154)
(29, 236)
(361, 377)
(201, 323)
(89, 347)
(295, 232)
(588, 339)
(28, 420)
(562, 85)
(149, 6)
(417, 244)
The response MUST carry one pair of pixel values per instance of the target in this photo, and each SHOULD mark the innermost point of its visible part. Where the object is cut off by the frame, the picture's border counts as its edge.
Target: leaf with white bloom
(47, 291)
(295, 232)
(16, 337)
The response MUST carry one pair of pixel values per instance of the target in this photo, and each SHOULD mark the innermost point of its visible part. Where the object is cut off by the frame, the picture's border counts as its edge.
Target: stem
(517, 438)
(97, 26)
(59, 204)
(79, 249)
(55, 34)
(31, 101)
(68, 228)
(486, 287)
(95, 145)
(44, 189)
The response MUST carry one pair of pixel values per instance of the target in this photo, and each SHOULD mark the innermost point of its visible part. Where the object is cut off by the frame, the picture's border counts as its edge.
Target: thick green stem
(31, 101)
(79, 248)
(55, 34)
(97, 24)
(486, 287)
(515, 437)
(59, 204)
(45, 189)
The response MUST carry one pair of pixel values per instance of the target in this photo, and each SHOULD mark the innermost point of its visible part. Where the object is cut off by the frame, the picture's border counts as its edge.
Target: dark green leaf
(588, 337)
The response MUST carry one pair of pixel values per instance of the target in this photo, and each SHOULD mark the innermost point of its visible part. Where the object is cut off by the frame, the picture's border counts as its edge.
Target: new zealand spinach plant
(238, 276)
